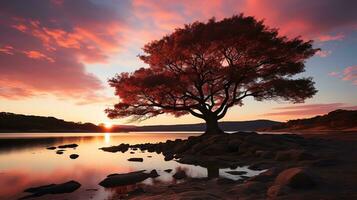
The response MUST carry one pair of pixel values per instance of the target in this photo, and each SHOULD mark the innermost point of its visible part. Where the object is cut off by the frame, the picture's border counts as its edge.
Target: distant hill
(226, 126)
(10, 122)
(335, 120)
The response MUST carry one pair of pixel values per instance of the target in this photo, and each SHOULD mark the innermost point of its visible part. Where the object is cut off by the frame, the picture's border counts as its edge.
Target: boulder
(67, 187)
(180, 175)
(296, 178)
(136, 159)
(115, 180)
(277, 190)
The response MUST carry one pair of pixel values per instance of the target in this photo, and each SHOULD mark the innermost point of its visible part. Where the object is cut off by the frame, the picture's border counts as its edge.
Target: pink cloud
(325, 38)
(348, 74)
(323, 54)
(49, 43)
(309, 109)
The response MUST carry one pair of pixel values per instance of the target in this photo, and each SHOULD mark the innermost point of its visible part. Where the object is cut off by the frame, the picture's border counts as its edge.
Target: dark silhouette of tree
(204, 69)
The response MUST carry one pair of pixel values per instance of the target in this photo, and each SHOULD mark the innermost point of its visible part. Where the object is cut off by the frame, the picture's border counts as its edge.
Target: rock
(277, 190)
(266, 176)
(236, 172)
(67, 187)
(293, 155)
(296, 178)
(60, 151)
(113, 149)
(168, 170)
(326, 163)
(132, 152)
(225, 181)
(136, 159)
(260, 166)
(51, 148)
(169, 157)
(154, 174)
(180, 175)
(115, 180)
(214, 149)
(248, 188)
(68, 146)
(91, 189)
(74, 156)
(149, 156)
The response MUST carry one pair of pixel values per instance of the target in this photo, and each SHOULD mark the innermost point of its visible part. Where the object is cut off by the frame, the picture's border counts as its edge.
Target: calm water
(25, 162)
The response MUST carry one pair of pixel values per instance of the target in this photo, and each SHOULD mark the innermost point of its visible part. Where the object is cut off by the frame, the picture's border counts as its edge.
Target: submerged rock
(115, 180)
(168, 170)
(60, 151)
(74, 156)
(136, 159)
(68, 146)
(51, 148)
(67, 187)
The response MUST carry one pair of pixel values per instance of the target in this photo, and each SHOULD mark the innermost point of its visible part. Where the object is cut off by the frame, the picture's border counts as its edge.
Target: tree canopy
(204, 69)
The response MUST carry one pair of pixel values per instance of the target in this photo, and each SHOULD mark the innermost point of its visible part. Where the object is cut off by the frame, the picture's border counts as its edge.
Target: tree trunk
(212, 127)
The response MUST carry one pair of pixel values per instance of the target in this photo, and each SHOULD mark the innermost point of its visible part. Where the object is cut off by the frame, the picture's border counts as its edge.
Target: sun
(108, 125)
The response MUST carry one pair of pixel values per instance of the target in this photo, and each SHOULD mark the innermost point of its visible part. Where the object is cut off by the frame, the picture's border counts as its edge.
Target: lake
(25, 162)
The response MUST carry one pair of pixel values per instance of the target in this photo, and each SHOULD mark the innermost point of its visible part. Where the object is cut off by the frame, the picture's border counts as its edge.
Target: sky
(57, 55)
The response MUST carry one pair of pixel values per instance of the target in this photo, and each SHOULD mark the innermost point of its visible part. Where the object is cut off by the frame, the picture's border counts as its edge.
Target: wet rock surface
(114, 180)
(67, 187)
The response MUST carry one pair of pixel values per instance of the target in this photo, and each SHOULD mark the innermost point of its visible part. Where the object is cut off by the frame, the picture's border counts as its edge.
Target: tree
(204, 69)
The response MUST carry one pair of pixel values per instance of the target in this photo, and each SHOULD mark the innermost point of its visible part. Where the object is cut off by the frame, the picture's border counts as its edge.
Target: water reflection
(25, 162)
(107, 138)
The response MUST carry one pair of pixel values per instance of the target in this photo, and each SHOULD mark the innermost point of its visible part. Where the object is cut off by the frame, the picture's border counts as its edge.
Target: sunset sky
(56, 56)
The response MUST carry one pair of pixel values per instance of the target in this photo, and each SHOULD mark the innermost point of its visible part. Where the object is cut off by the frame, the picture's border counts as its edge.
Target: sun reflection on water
(107, 138)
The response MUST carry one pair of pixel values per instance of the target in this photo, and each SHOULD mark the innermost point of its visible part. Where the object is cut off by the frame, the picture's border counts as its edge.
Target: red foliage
(206, 68)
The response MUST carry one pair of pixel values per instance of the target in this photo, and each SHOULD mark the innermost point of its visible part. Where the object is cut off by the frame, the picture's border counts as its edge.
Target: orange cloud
(325, 38)
(38, 55)
(309, 109)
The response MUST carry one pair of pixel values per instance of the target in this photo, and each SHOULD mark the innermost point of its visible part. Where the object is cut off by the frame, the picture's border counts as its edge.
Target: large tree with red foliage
(204, 69)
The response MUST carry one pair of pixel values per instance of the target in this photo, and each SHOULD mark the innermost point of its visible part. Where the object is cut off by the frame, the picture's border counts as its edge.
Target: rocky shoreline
(297, 167)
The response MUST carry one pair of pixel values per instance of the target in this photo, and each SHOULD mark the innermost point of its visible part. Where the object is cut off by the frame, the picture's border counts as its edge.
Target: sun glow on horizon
(107, 125)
